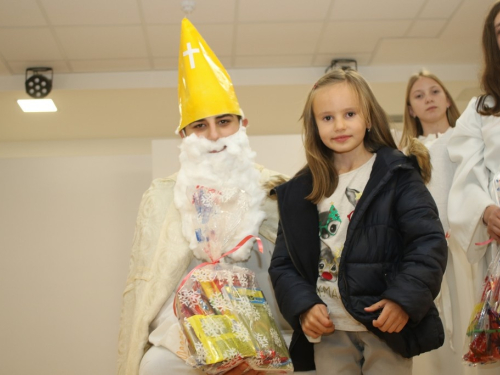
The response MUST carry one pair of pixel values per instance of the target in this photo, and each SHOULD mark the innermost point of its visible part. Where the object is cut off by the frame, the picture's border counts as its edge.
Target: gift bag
(220, 307)
(483, 332)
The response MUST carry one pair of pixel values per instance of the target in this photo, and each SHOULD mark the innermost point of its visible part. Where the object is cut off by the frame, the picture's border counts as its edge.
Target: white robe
(160, 258)
(456, 299)
(475, 148)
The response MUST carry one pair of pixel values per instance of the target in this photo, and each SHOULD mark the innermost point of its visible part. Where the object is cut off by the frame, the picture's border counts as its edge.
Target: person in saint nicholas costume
(214, 152)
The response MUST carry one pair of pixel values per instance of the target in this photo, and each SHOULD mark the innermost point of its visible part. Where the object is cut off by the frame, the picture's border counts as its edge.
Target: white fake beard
(228, 169)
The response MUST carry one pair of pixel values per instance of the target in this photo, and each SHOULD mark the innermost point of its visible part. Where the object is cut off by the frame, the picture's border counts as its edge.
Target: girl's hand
(491, 218)
(316, 321)
(392, 318)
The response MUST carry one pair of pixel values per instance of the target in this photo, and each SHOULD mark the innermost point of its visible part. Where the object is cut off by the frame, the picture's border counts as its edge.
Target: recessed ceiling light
(37, 105)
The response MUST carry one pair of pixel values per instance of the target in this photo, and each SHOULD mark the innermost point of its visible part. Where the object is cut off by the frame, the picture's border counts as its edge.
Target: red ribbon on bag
(240, 244)
(484, 243)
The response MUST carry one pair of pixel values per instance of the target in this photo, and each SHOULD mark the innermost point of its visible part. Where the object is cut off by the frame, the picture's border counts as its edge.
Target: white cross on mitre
(190, 52)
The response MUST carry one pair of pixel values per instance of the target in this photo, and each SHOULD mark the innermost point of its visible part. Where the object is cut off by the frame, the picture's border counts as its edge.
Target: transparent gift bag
(483, 332)
(221, 309)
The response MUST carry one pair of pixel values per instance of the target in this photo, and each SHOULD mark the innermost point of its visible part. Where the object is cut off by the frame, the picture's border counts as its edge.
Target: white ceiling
(81, 38)
(140, 35)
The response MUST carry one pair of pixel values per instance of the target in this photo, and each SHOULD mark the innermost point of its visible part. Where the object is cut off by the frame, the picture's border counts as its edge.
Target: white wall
(66, 229)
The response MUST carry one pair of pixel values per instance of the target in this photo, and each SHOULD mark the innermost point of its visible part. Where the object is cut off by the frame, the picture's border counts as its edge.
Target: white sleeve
(469, 194)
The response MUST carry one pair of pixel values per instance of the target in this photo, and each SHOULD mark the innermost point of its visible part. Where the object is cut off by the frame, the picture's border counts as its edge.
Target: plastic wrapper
(220, 307)
(483, 332)
(227, 320)
(483, 342)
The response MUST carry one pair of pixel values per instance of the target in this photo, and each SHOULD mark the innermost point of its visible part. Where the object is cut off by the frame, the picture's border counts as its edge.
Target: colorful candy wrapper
(227, 320)
(220, 307)
(483, 332)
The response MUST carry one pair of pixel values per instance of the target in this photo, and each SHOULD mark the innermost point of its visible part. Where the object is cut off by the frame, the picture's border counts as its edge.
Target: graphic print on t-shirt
(353, 196)
(329, 225)
(329, 222)
(335, 214)
(329, 262)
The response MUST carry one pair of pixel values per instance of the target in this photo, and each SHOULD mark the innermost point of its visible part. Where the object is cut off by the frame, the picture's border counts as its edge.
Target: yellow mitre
(205, 88)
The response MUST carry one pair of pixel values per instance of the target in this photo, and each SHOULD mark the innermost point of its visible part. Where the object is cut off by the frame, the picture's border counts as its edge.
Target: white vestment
(475, 148)
(456, 299)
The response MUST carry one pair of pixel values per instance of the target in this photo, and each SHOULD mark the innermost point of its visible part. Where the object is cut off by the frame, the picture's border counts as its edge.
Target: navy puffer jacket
(395, 248)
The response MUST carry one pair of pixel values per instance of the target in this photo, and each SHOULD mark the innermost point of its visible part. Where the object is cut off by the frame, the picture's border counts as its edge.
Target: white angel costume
(456, 298)
(475, 147)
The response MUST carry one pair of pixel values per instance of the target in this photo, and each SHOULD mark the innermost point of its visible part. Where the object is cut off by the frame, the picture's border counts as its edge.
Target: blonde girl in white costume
(430, 116)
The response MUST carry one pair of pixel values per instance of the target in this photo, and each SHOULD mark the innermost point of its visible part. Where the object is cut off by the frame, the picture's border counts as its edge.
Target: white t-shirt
(335, 213)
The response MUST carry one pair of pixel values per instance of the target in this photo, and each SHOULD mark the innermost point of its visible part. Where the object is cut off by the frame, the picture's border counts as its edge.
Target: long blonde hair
(412, 127)
(319, 157)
